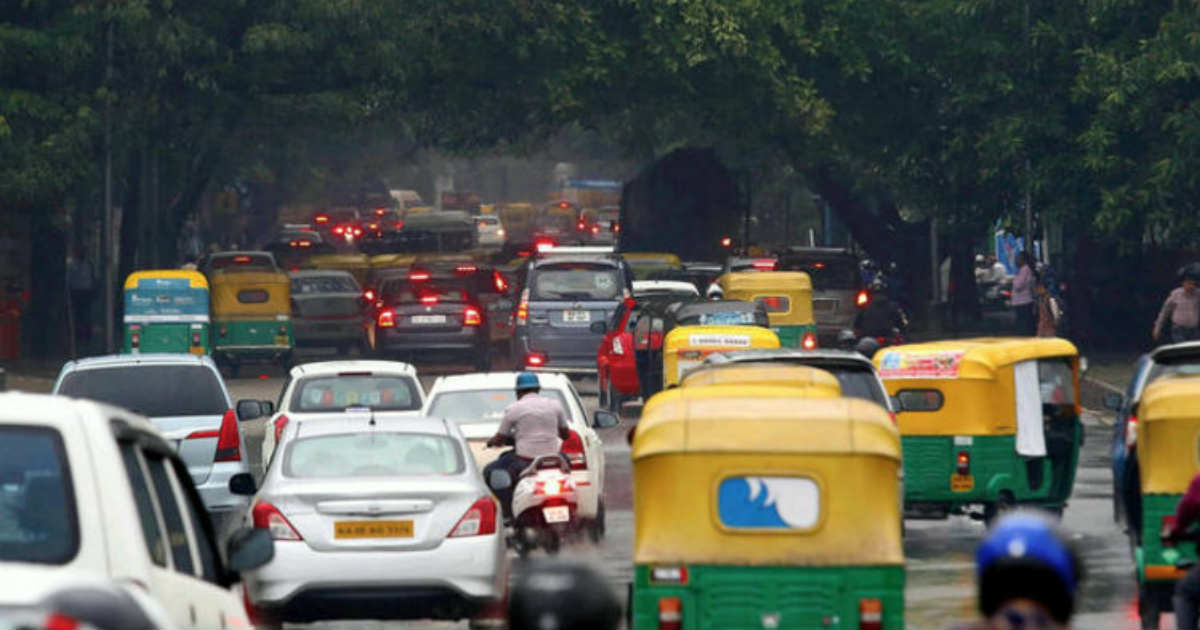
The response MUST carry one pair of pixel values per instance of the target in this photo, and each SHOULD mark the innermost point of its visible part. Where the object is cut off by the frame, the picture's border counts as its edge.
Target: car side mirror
(605, 419)
(1113, 401)
(250, 410)
(499, 480)
(243, 484)
(599, 327)
(249, 549)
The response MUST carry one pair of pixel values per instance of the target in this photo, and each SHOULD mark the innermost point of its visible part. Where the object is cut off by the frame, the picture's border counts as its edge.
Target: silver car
(838, 292)
(376, 518)
(184, 396)
(327, 308)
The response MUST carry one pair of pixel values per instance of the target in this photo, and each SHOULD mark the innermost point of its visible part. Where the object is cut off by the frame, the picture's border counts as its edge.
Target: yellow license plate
(196, 350)
(281, 340)
(962, 483)
(373, 529)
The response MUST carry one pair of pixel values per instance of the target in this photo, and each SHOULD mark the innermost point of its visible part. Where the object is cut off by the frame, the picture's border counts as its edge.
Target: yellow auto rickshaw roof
(196, 280)
(978, 357)
(662, 258)
(381, 261)
(762, 419)
(782, 281)
(331, 260)
(813, 381)
(1170, 398)
(1168, 430)
(250, 278)
(721, 337)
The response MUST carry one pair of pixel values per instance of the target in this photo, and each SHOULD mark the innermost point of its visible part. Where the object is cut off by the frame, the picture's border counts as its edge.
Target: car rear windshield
(154, 391)
(38, 521)
(480, 406)
(827, 274)
(372, 454)
(857, 381)
(324, 284)
(335, 393)
(575, 281)
(422, 292)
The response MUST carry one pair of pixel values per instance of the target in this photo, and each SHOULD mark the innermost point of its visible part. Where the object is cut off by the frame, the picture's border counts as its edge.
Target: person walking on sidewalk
(1022, 296)
(1182, 308)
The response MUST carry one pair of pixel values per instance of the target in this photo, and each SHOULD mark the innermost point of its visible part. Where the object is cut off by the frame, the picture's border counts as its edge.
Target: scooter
(544, 504)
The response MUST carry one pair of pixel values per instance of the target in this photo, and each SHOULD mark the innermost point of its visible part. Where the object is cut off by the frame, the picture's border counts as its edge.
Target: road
(941, 580)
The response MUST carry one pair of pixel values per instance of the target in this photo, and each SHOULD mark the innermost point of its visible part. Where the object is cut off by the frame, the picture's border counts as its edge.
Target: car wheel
(483, 360)
(597, 527)
(613, 398)
(602, 393)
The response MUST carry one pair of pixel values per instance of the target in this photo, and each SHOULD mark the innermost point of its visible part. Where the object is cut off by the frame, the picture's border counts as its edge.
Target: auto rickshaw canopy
(196, 280)
(813, 381)
(251, 295)
(1168, 433)
(693, 441)
(786, 295)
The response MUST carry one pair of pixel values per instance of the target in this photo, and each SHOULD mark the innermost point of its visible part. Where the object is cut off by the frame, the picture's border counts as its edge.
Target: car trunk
(197, 452)
(562, 329)
(439, 317)
(334, 306)
(374, 514)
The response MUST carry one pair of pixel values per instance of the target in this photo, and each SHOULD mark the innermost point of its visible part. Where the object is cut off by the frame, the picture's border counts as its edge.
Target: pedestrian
(1022, 296)
(1187, 590)
(999, 272)
(81, 281)
(1028, 574)
(1048, 311)
(1182, 309)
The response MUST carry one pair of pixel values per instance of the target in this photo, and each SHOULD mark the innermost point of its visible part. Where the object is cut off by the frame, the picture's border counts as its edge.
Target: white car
(92, 491)
(654, 288)
(376, 518)
(476, 403)
(491, 231)
(332, 389)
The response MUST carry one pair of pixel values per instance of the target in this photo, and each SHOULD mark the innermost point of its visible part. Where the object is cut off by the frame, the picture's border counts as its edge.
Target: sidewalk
(31, 375)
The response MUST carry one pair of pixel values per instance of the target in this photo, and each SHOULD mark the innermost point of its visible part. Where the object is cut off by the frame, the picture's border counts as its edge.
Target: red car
(615, 361)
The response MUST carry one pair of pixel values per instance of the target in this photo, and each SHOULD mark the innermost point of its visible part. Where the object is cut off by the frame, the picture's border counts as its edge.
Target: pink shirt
(1182, 308)
(1022, 289)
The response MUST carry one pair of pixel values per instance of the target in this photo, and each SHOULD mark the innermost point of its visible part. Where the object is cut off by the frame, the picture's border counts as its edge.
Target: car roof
(1176, 351)
(333, 368)
(493, 380)
(320, 273)
(121, 360)
(333, 424)
(790, 355)
(24, 408)
(649, 285)
(607, 259)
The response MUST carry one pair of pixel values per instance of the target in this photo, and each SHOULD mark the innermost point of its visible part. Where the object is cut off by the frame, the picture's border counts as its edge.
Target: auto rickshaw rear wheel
(1003, 503)
(1150, 604)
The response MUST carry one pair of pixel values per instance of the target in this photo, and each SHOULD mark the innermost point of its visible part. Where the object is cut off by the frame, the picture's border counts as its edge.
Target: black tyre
(1149, 606)
(552, 542)
(992, 511)
(613, 398)
(598, 527)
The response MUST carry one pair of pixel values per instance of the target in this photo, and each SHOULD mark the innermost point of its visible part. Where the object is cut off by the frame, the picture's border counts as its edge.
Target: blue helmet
(1025, 556)
(527, 380)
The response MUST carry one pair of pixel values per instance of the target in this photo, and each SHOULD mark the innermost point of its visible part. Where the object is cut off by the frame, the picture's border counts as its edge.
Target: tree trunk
(48, 288)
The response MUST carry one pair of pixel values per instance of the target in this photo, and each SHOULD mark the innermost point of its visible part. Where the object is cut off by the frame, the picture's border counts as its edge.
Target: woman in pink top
(1022, 296)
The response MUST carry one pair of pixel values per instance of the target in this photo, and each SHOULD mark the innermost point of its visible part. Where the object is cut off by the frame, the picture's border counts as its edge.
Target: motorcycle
(544, 504)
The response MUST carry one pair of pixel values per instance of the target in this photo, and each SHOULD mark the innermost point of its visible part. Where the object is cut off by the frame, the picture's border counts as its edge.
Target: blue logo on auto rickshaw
(768, 502)
(892, 361)
(733, 318)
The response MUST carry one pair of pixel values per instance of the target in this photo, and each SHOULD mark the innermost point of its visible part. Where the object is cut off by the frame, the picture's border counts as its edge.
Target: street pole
(107, 241)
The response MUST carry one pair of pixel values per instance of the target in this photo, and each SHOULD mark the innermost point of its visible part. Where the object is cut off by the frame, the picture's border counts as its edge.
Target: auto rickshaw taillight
(809, 342)
(1131, 432)
(134, 340)
(962, 463)
(670, 613)
(669, 575)
(282, 329)
(224, 330)
(195, 337)
(870, 614)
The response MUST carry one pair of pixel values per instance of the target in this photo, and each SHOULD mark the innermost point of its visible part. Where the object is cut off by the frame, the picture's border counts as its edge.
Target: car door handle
(539, 320)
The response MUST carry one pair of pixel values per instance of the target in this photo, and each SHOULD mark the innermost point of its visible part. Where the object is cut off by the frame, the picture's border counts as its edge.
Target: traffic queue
(772, 471)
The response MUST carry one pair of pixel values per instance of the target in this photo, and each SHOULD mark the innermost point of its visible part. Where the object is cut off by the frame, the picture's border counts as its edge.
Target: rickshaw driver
(536, 425)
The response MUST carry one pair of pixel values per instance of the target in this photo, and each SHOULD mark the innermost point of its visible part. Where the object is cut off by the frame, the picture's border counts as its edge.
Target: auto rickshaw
(986, 422)
(166, 310)
(1168, 430)
(755, 507)
(813, 381)
(646, 264)
(787, 298)
(358, 265)
(685, 347)
(252, 315)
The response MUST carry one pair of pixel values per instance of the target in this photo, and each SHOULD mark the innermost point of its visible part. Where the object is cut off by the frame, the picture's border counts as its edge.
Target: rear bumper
(404, 602)
(582, 359)
(326, 330)
(395, 341)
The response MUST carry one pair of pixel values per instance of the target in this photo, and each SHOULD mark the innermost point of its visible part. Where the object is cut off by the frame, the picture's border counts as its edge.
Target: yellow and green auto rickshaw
(685, 347)
(1168, 431)
(787, 298)
(356, 264)
(813, 381)
(987, 422)
(166, 310)
(252, 315)
(646, 264)
(755, 507)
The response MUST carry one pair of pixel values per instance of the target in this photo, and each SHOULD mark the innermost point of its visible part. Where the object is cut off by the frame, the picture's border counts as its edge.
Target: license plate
(281, 340)
(372, 529)
(575, 317)
(429, 319)
(556, 514)
(962, 483)
(825, 306)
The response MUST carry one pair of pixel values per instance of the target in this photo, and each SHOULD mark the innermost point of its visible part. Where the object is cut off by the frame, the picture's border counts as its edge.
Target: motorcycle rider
(536, 425)
(881, 317)
(1187, 590)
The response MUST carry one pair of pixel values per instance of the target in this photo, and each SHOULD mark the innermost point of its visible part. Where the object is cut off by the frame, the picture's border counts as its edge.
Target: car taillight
(268, 517)
(60, 621)
(386, 319)
(466, 269)
(572, 447)
(321, 219)
(670, 613)
(418, 276)
(595, 229)
(280, 424)
(358, 231)
(764, 264)
(1131, 432)
(809, 342)
(962, 463)
(368, 295)
(862, 298)
(380, 211)
(500, 232)
(229, 442)
(499, 282)
(543, 245)
(429, 300)
(870, 614)
(472, 317)
(480, 519)
(535, 359)
(581, 226)
(669, 575)
(523, 308)
(338, 229)
(195, 337)
(726, 242)
(617, 347)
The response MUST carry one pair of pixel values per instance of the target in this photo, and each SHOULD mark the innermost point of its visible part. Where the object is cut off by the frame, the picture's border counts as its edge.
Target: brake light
(304, 243)
(321, 219)
(480, 519)
(280, 424)
(1131, 432)
(572, 447)
(386, 319)
(500, 283)
(358, 231)
(764, 264)
(195, 337)
(862, 298)
(368, 295)
(229, 441)
(962, 463)
(418, 276)
(669, 575)
(500, 232)
(241, 259)
(523, 308)
(466, 269)
(543, 245)
(595, 229)
(380, 211)
(535, 359)
(268, 517)
(472, 316)
(399, 225)
(870, 614)
(553, 486)
(429, 300)
(581, 226)
(670, 613)
(726, 242)
(809, 342)
(618, 348)
(372, 227)
(338, 229)
(616, 227)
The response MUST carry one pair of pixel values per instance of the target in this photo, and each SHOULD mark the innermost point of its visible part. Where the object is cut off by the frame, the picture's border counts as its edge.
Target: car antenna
(371, 420)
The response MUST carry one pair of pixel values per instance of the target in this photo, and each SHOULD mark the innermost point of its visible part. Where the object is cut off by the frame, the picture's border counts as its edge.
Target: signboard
(920, 364)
